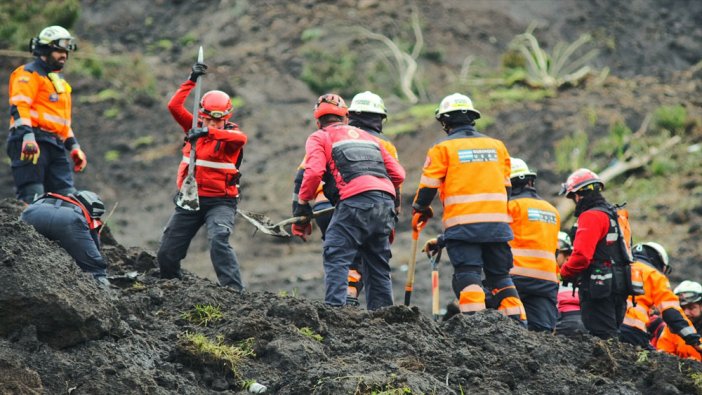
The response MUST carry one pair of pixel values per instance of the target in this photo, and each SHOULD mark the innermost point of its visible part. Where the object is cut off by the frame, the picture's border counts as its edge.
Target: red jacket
(593, 226)
(319, 148)
(218, 154)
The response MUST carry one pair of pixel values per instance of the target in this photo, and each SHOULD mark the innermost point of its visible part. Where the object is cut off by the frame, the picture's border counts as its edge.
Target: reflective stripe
(294, 197)
(534, 273)
(475, 198)
(21, 98)
(55, 119)
(23, 122)
(688, 330)
(611, 237)
(430, 182)
(668, 304)
(354, 275)
(355, 142)
(471, 299)
(471, 307)
(473, 218)
(550, 256)
(207, 163)
(516, 310)
(601, 276)
(638, 324)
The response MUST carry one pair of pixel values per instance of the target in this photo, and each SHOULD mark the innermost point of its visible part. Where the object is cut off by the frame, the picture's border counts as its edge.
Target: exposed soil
(58, 331)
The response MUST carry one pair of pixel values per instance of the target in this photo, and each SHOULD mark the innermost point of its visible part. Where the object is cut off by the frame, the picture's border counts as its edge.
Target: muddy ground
(62, 334)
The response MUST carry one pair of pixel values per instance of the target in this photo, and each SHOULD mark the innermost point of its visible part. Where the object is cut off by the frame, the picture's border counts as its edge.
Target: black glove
(692, 339)
(303, 210)
(197, 133)
(198, 70)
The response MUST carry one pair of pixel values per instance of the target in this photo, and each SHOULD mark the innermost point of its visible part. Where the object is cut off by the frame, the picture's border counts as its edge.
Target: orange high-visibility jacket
(535, 224)
(674, 344)
(659, 295)
(471, 172)
(40, 99)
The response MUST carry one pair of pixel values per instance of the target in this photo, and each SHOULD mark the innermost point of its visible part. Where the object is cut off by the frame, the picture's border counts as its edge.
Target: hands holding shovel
(420, 217)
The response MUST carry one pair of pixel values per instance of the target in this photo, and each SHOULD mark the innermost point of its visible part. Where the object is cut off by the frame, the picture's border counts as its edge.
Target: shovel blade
(263, 223)
(187, 196)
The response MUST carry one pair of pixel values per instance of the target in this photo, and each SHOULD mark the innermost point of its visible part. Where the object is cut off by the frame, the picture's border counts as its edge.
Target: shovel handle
(435, 293)
(409, 285)
(300, 218)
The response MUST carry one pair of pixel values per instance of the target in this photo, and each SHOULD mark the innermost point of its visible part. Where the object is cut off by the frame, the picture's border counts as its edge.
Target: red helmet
(216, 105)
(578, 180)
(330, 104)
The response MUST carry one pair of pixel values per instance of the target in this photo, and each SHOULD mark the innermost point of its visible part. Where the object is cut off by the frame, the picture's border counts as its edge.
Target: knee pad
(467, 287)
(27, 193)
(505, 299)
(355, 283)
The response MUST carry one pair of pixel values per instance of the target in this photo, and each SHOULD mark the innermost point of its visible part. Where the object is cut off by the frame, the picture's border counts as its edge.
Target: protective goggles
(67, 44)
(687, 298)
(216, 114)
(330, 99)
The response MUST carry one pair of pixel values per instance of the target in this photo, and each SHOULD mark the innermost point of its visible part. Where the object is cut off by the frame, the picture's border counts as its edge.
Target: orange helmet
(216, 105)
(580, 179)
(330, 104)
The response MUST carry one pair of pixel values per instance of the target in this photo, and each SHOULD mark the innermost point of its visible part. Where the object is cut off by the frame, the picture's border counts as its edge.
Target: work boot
(352, 301)
(451, 310)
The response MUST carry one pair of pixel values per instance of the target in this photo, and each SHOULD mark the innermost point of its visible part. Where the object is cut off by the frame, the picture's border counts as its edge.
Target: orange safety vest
(535, 224)
(40, 99)
(471, 172)
(673, 344)
(657, 294)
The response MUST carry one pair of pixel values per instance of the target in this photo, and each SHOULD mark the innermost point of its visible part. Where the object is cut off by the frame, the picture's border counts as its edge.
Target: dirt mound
(139, 337)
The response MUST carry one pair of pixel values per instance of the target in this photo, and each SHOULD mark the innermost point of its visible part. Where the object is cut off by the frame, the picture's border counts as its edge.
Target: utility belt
(604, 278)
(39, 135)
(59, 203)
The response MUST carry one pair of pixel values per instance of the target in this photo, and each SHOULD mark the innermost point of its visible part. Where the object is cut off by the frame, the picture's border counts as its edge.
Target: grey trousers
(182, 227)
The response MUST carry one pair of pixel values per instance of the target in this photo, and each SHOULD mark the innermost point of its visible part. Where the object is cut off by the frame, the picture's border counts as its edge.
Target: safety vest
(40, 99)
(535, 224)
(657, 294)
(673, 344)
(92, 222)
(471, 172)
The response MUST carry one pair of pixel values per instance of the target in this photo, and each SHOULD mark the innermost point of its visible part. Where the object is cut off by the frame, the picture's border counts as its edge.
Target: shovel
(435, 310)
(409, 285)
(267, 226)
(187, 196)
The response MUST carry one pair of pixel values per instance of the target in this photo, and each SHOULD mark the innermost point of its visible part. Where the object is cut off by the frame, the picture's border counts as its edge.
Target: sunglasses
(67, 44)
(216, 114)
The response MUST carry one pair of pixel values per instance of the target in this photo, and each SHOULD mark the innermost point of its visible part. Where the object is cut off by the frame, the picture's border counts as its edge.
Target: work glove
(79, 159)
(198, 69)
(196, 133)
(30, 148)
(302, 231)
(392, 236)
(433, 247)
(303, 210)
(420, 216)
(692, 339)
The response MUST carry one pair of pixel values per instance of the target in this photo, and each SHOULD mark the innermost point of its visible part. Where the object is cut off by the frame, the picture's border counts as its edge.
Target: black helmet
(91, 201)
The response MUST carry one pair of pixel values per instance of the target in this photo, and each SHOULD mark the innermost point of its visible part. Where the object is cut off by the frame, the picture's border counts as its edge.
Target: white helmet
(456, 102)
(368, 102)
(520, 169)
(55, 37)
(688, 292)
(564, 243)
(658, 249)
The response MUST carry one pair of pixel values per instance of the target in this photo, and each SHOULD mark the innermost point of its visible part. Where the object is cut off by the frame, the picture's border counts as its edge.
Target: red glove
(420, 217)
(30, 148)
(79, 160)
(392, 236)
(302, 231)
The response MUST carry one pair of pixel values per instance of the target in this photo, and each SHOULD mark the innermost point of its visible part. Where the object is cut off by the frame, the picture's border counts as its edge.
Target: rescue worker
(472, 173)
(651, 264)
(40, 120)
(367, 111)
(599, 258)
(569, 320)
(74, 222)
(690, 295)
(219, 154)
(367, 178)
(535, 224)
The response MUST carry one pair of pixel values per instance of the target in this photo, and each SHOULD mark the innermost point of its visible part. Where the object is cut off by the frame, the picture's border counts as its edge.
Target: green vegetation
(642, 357)
(552, 70)
(308, 332)
(138, 286)
(671, 118)
(697, 380)
(21, 20)
(571, 151)
(112, 156)
(203, 314)
(203, 350)
(325, 71)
